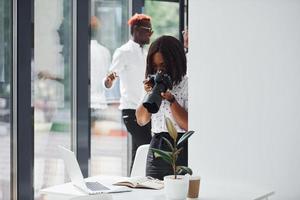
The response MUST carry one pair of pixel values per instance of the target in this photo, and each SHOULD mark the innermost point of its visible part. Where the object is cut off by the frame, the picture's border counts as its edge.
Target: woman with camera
(166, 56)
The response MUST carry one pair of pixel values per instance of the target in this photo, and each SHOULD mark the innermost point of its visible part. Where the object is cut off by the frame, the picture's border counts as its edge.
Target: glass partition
(5, 97)
(108, 135)
(51, 89)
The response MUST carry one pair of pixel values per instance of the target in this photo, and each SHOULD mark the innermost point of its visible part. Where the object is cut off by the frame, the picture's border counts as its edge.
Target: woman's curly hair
(173, 55)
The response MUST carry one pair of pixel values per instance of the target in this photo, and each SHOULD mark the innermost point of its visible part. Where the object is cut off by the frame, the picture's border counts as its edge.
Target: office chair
(139, 164)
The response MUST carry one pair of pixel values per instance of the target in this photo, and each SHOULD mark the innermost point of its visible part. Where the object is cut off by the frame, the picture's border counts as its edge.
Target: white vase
(176, 189)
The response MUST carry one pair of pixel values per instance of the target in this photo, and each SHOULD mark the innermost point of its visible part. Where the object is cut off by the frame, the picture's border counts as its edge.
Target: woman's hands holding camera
(168, 96)
(148, 85)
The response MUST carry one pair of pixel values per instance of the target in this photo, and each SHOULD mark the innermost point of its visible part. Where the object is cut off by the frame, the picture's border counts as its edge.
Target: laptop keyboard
(95, 186)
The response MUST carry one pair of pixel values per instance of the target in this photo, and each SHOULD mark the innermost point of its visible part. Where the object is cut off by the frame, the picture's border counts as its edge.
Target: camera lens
(152, 101)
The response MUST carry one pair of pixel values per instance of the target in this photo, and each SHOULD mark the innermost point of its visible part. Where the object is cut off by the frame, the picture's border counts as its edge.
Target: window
(165, 17)
(51, 89)
(108, 134)
(5, 97)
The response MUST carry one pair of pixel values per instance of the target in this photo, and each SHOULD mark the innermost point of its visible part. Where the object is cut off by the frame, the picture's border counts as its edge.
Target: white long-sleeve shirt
(100, 62)
(129, 63)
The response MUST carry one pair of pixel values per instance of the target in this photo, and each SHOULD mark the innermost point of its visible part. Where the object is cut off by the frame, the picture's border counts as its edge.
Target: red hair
(137, 18)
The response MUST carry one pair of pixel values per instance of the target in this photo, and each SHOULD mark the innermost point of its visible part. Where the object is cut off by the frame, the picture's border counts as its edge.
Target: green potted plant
(176, 186)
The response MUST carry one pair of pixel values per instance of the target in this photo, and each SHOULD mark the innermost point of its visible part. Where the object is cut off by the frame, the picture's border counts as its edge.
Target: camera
(161, 83)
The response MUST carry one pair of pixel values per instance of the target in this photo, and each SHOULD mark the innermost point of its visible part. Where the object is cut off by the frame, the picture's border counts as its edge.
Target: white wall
(244, 66)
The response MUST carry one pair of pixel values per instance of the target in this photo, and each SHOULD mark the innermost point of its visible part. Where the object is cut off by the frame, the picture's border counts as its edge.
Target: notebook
(77, 179)
(141, 182)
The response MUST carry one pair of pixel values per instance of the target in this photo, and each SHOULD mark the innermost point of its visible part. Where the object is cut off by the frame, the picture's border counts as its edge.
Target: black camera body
(161, 83)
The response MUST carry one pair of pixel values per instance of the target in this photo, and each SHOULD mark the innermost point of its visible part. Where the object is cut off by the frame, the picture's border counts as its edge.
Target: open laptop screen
(75, 173)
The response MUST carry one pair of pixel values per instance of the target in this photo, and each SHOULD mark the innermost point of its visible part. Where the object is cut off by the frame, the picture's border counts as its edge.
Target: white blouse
(180, 93)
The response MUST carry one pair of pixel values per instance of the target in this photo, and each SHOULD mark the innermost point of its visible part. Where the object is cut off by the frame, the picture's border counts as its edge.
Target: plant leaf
(165, 155)
(169, 143)
(188, 170)
(171, 129)
(178, 151)
(185, 136)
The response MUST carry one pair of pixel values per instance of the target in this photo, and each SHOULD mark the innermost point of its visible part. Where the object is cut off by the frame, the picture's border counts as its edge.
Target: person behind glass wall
(100, 61)
(166, 55)
(128, 64)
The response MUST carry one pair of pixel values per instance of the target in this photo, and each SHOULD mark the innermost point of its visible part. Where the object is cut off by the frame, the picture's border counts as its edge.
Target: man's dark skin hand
(110, 79)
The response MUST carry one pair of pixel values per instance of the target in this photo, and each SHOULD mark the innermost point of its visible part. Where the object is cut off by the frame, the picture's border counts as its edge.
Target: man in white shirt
(129, 64)
(100, 61)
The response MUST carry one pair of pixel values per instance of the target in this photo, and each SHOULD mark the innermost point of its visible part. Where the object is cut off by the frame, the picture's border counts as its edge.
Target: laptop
(77, 179)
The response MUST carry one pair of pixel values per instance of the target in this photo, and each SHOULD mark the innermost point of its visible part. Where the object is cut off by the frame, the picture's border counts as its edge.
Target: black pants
(157, 167)
(140, 134)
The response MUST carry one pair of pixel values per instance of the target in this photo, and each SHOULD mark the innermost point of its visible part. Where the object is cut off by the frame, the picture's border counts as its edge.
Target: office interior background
(37, 114)
(243, 64)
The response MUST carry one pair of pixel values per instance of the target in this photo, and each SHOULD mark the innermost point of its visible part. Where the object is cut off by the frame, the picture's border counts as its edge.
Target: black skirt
(157, 167)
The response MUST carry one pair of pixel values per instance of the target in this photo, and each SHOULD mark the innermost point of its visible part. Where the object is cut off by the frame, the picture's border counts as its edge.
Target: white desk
(221, 190)
(68, 191)
(208, 191)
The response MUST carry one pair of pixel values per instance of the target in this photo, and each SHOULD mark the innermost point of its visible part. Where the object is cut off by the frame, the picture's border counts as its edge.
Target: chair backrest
(139, 164)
